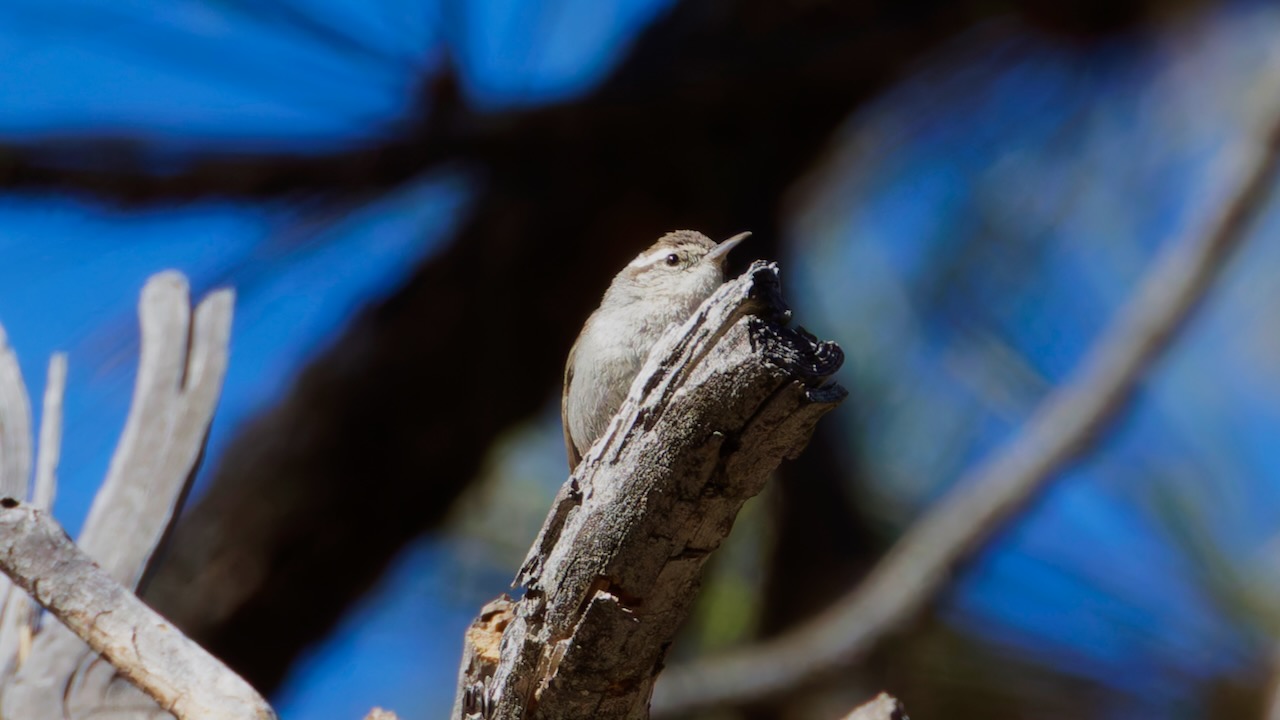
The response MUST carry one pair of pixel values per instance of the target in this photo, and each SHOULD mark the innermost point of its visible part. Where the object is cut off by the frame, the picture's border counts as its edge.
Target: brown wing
(575, 457)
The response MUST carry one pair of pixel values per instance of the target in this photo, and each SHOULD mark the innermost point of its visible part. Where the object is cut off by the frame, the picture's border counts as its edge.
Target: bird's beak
(721, 251)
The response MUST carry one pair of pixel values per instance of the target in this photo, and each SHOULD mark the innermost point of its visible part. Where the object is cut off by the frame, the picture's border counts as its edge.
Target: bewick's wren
(661, 287)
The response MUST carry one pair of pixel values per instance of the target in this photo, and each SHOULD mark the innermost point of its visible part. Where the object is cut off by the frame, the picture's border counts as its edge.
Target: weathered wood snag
(720, 402)
(54, 669)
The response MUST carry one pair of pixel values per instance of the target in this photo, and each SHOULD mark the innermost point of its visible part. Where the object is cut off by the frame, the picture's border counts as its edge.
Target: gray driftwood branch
(988, 496)
(141, 645)
(720, 402)
(55, 674)
(109, 655)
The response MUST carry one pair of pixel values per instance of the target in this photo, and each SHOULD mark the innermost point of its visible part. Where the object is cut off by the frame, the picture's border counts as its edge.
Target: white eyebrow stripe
(650, 258)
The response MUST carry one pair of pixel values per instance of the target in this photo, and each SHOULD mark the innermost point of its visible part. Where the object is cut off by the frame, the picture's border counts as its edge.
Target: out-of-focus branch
(987, 497)
(15, 466)
(19, 619)
(883, 707)
(132, 169)
(180, 373)
(184, 360)
(15, 419)
(124, 168)
(49, 450)
(142, 646)
(1272, 689)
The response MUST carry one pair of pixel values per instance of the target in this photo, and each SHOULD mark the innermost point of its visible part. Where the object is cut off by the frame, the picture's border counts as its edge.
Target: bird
(661, 287)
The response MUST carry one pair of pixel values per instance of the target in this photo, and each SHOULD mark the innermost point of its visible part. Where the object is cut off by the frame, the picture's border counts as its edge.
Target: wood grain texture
(142, 646)
(720, 402)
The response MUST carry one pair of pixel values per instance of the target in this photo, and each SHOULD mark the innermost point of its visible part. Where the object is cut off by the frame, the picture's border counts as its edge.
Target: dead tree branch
(15, 419)
(440, 129)
(986, 498)
(141, 645)
(184, 359)
(15, 468)
(89, 588)
(20, 613)
(720, 402)
(45, 486)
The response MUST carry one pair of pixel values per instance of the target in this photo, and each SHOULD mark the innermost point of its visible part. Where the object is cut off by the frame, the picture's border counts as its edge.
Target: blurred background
(419, 201)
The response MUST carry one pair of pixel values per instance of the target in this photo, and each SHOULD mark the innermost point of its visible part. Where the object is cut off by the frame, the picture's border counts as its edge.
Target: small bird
(663, 286)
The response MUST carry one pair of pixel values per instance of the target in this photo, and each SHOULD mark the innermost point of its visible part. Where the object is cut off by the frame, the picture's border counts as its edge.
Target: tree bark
(720, 402)
(142, 646)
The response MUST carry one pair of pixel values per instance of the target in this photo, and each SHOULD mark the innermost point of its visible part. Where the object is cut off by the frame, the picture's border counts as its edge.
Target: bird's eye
(673, 260)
